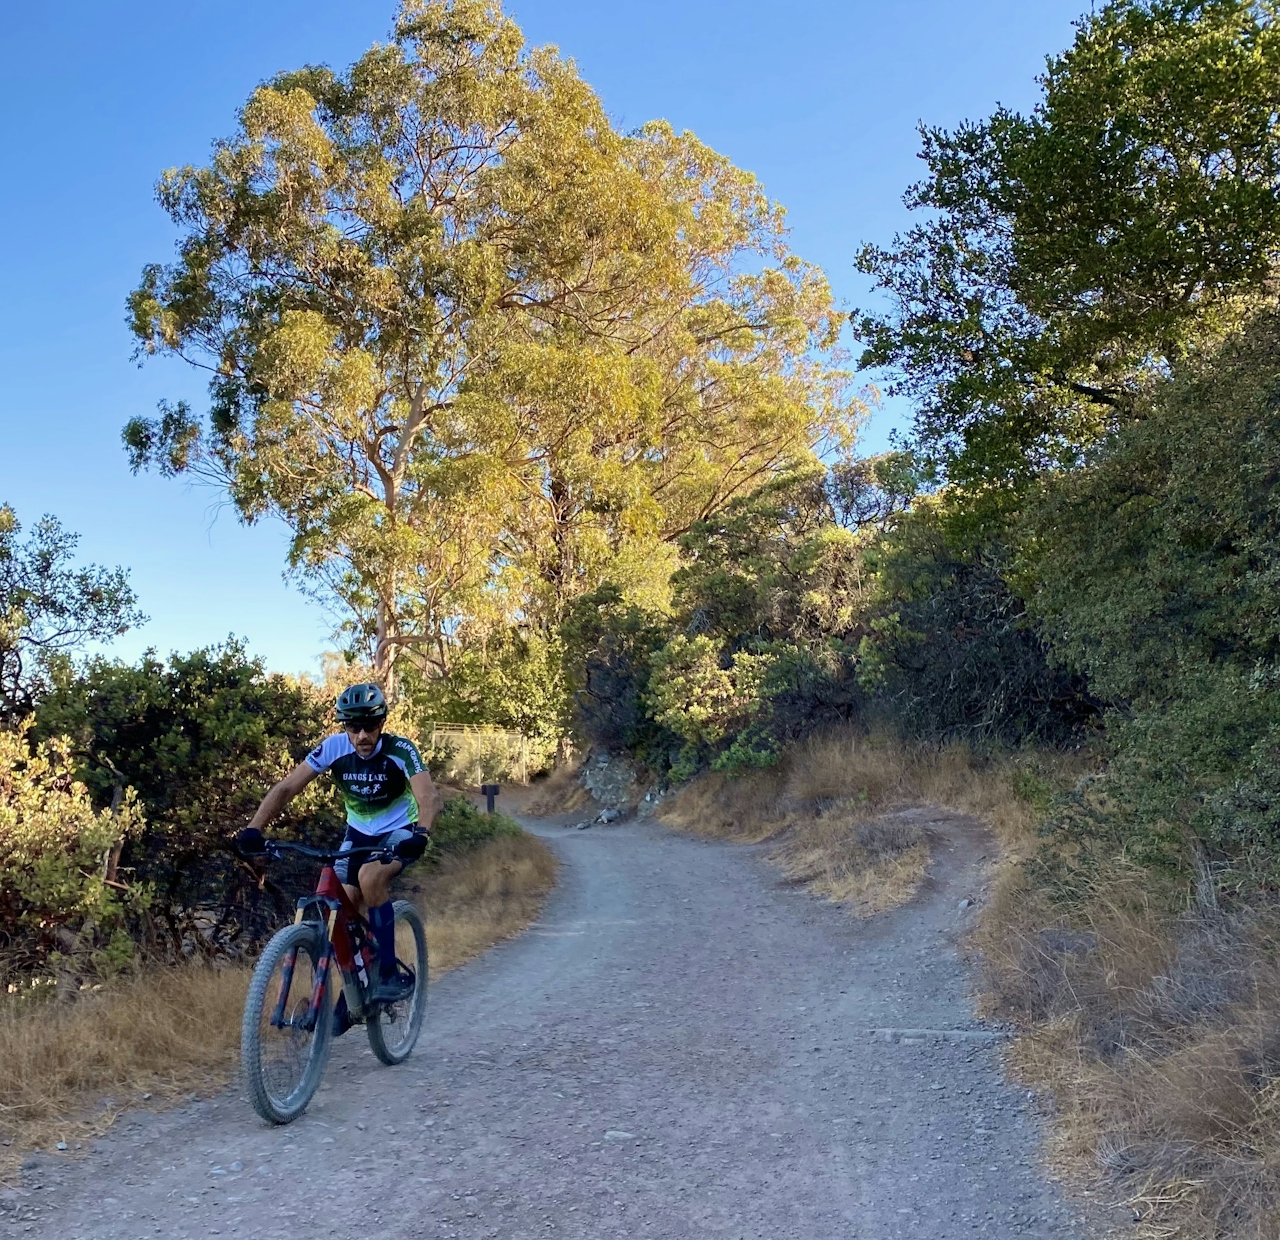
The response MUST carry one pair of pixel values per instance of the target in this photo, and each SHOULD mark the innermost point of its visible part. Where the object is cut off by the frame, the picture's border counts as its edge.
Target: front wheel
(285, 1036)
(394, 1028)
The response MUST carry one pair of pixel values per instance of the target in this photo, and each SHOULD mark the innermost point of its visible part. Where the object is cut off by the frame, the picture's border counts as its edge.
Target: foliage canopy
(49, 608)
(475, 347)
(1070, 257)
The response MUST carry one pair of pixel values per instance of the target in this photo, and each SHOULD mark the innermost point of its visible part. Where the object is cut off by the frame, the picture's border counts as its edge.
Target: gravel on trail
(683, 1046)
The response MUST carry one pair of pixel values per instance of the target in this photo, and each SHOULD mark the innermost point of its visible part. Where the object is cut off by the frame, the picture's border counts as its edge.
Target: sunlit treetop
(469, 341)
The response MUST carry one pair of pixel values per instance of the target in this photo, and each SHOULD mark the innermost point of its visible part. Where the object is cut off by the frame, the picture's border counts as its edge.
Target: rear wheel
(282, 1050)
(394, 1028)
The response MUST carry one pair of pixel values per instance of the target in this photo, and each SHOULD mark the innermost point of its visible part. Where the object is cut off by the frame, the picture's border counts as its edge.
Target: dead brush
(163, 1032)
(1158, 1033)
(868, 866)
(559, 793)
(830, 807)
(744, 808)
(475, 899)
(166, 1032)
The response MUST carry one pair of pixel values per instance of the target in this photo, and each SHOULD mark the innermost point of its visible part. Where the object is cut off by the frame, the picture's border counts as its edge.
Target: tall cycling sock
(382, 920)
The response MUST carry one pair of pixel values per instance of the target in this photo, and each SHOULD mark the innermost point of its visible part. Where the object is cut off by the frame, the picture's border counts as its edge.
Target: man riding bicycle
(390, 804)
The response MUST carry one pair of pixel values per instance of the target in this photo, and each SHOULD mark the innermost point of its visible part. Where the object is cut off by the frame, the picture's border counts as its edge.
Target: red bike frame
(354, 961)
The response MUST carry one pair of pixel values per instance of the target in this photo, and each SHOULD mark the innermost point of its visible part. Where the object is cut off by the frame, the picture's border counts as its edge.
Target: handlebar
(252, 843)
(275, 847)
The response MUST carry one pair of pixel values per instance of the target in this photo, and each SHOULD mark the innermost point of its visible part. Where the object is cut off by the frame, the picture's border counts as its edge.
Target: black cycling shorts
(357, 847)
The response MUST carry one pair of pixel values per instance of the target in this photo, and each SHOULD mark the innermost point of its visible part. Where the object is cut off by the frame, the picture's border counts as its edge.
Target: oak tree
(1071, 257)
(49, 607)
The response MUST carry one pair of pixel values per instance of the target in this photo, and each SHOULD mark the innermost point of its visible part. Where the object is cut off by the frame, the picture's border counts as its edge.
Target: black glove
(251, 842)
(412, 848)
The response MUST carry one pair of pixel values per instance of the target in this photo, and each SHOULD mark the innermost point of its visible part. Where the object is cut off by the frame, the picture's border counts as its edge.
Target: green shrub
(199, 738)
(63, 898)
(511, 679)
(951, 650)
(608, 644)
(1154, 570)
(461, 826)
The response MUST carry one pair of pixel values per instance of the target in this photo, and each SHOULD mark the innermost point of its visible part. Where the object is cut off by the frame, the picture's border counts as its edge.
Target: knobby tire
(393, 1033)
(311, 1048)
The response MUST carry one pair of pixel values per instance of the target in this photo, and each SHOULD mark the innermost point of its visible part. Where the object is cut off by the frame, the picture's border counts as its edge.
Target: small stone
(360, 1125)
(965, 904)
(216, 1171)
(616, 1134)
(236, 1166)
(146, 1097)
(62, 1145)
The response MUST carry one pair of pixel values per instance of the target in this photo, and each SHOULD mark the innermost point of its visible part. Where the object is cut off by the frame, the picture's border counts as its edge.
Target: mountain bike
(288, 1016)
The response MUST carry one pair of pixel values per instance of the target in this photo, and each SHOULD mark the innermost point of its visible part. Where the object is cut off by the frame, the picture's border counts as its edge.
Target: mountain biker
(390, 803)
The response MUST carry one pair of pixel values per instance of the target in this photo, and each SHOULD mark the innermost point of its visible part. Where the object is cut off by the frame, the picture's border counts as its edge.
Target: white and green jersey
(375, 789)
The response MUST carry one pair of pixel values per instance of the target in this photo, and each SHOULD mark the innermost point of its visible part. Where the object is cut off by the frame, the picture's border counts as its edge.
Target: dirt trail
(678, 1049)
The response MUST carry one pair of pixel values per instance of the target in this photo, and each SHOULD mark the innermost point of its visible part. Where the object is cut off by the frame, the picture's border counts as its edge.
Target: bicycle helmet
(362, 704)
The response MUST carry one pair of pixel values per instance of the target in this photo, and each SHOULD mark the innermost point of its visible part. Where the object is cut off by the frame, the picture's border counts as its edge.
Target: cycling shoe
(394, 989)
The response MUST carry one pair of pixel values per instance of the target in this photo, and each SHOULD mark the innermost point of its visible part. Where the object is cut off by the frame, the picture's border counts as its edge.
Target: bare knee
(375, 881)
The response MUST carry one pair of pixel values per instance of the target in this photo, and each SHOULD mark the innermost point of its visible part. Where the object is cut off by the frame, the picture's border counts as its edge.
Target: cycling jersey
(375, 789)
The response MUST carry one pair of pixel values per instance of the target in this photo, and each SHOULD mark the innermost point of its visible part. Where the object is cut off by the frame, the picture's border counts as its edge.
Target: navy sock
(382, 920)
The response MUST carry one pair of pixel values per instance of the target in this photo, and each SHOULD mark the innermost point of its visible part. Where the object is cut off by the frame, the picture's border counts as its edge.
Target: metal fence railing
(475, 754)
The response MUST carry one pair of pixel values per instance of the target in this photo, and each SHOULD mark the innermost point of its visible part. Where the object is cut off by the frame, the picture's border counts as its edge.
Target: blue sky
(820, 98)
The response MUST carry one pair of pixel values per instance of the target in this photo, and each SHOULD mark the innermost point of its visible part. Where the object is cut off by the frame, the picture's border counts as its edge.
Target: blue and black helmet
(362, 704)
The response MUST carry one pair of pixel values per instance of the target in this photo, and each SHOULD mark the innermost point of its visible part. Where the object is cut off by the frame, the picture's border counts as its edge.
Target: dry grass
(1158, 1034)
(70, 1067)
(474, 900)
(833, 809)
(869, 868)
(559, 793)
(165, 1033)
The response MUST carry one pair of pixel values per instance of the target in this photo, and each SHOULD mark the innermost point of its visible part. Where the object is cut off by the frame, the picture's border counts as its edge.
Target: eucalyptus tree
(475, 347)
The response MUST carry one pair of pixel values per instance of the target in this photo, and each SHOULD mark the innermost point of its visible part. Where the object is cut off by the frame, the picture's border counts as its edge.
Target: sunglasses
(356, 729)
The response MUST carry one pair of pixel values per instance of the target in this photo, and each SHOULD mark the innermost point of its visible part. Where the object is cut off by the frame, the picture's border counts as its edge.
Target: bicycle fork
(308, 1022)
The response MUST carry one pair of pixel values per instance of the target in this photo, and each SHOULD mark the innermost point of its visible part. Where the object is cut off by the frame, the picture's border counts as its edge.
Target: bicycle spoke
(394, 1029)
(287, 1028)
